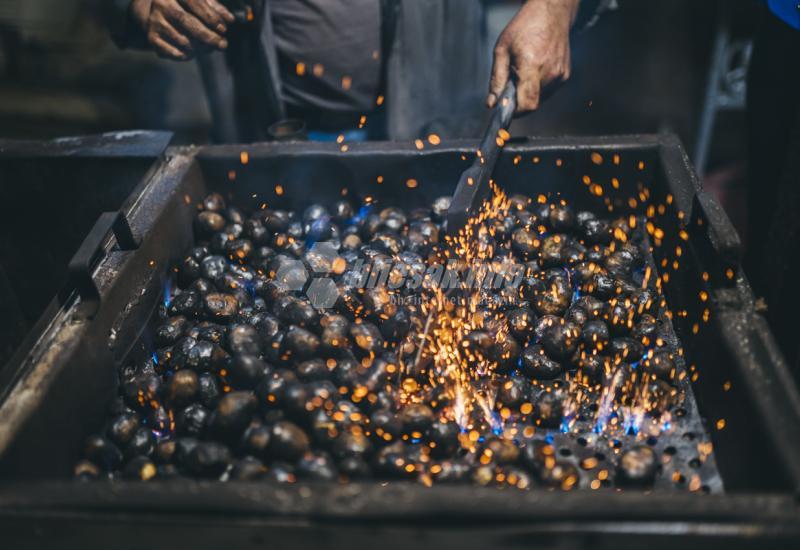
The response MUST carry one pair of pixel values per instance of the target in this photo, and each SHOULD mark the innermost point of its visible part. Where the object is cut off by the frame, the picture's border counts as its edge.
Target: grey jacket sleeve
(123, 30)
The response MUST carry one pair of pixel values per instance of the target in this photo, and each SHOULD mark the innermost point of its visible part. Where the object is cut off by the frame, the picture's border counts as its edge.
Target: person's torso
(329, 53)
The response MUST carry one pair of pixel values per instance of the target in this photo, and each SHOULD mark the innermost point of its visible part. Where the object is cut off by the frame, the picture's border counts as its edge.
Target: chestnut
(512, 391)
(595, 335)
(443, 438)
(505, 353)
(255, 440)
(287, 441)
(248, 468)
(192, 420)
(141, 444)
(183, 387)
(140, 468)
(233, 414)
(416, 417)
(246, 371)
(316, 466)
(537, 365)
(208, 389)
(353, 443)
(301, 343)
(521, 323)
(220, 307)
(208, 459)
(103, 453)
(386, 425)
(123, 428)
(169, 333)
(560, 339)
(366, 337)
(313, 369)
(562, 218)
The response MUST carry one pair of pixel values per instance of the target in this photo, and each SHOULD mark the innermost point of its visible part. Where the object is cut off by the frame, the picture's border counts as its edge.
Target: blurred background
(644, 68)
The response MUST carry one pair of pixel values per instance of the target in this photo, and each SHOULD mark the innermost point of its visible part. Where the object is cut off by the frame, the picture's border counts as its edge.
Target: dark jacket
(436, 70)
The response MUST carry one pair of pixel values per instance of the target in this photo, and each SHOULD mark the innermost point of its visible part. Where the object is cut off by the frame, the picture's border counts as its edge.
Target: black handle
(85, 259)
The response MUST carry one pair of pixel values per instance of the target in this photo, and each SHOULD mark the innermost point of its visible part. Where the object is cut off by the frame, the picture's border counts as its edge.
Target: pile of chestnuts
(248, 380)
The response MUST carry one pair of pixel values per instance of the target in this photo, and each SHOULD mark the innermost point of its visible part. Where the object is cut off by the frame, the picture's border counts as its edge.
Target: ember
(532, 349)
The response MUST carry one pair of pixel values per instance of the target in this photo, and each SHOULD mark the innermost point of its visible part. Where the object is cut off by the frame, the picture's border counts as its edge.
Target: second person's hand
(174, 27)
(535, 45)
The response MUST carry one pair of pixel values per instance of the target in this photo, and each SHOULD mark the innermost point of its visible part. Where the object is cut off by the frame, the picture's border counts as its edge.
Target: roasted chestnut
(537, 365)
(438, 359)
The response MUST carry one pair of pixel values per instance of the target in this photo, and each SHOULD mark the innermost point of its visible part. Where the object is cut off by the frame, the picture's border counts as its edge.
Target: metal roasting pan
(55, 396)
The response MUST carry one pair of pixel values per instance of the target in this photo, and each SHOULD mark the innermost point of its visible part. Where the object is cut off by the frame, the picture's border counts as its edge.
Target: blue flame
(363, 212)
(497, 423)
(315, 231)
(631, 426)
(167, 292)
(155, 358)
(602, 421)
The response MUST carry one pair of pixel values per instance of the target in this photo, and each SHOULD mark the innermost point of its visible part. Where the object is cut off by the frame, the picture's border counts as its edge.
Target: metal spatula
(473, 187)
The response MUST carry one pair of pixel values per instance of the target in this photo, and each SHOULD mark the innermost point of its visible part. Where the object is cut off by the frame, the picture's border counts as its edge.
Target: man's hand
(173, 27)
(535, 45)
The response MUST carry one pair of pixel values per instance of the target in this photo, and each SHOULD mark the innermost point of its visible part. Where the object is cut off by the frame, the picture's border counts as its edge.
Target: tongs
(473, 187)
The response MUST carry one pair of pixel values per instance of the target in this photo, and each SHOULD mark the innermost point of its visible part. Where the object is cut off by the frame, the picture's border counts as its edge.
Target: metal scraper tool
(473, 187)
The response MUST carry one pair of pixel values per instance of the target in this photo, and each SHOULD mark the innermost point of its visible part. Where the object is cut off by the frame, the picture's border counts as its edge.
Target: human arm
(535, 47)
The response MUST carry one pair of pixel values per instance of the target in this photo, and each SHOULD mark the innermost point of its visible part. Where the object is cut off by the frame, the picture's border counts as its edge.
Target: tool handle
(507, 104)
(501, 117)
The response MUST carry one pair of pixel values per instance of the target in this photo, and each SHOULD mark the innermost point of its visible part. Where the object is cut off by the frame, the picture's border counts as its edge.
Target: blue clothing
(787, 11)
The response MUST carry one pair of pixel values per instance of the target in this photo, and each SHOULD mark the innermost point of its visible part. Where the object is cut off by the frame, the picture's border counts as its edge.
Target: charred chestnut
(208, 459)
(301, 344)
(183, 387)
(560, 339)
(246, 371)
(220, 307)
(537, 365)
(233, 414)
(416, 418)
(287, 441)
